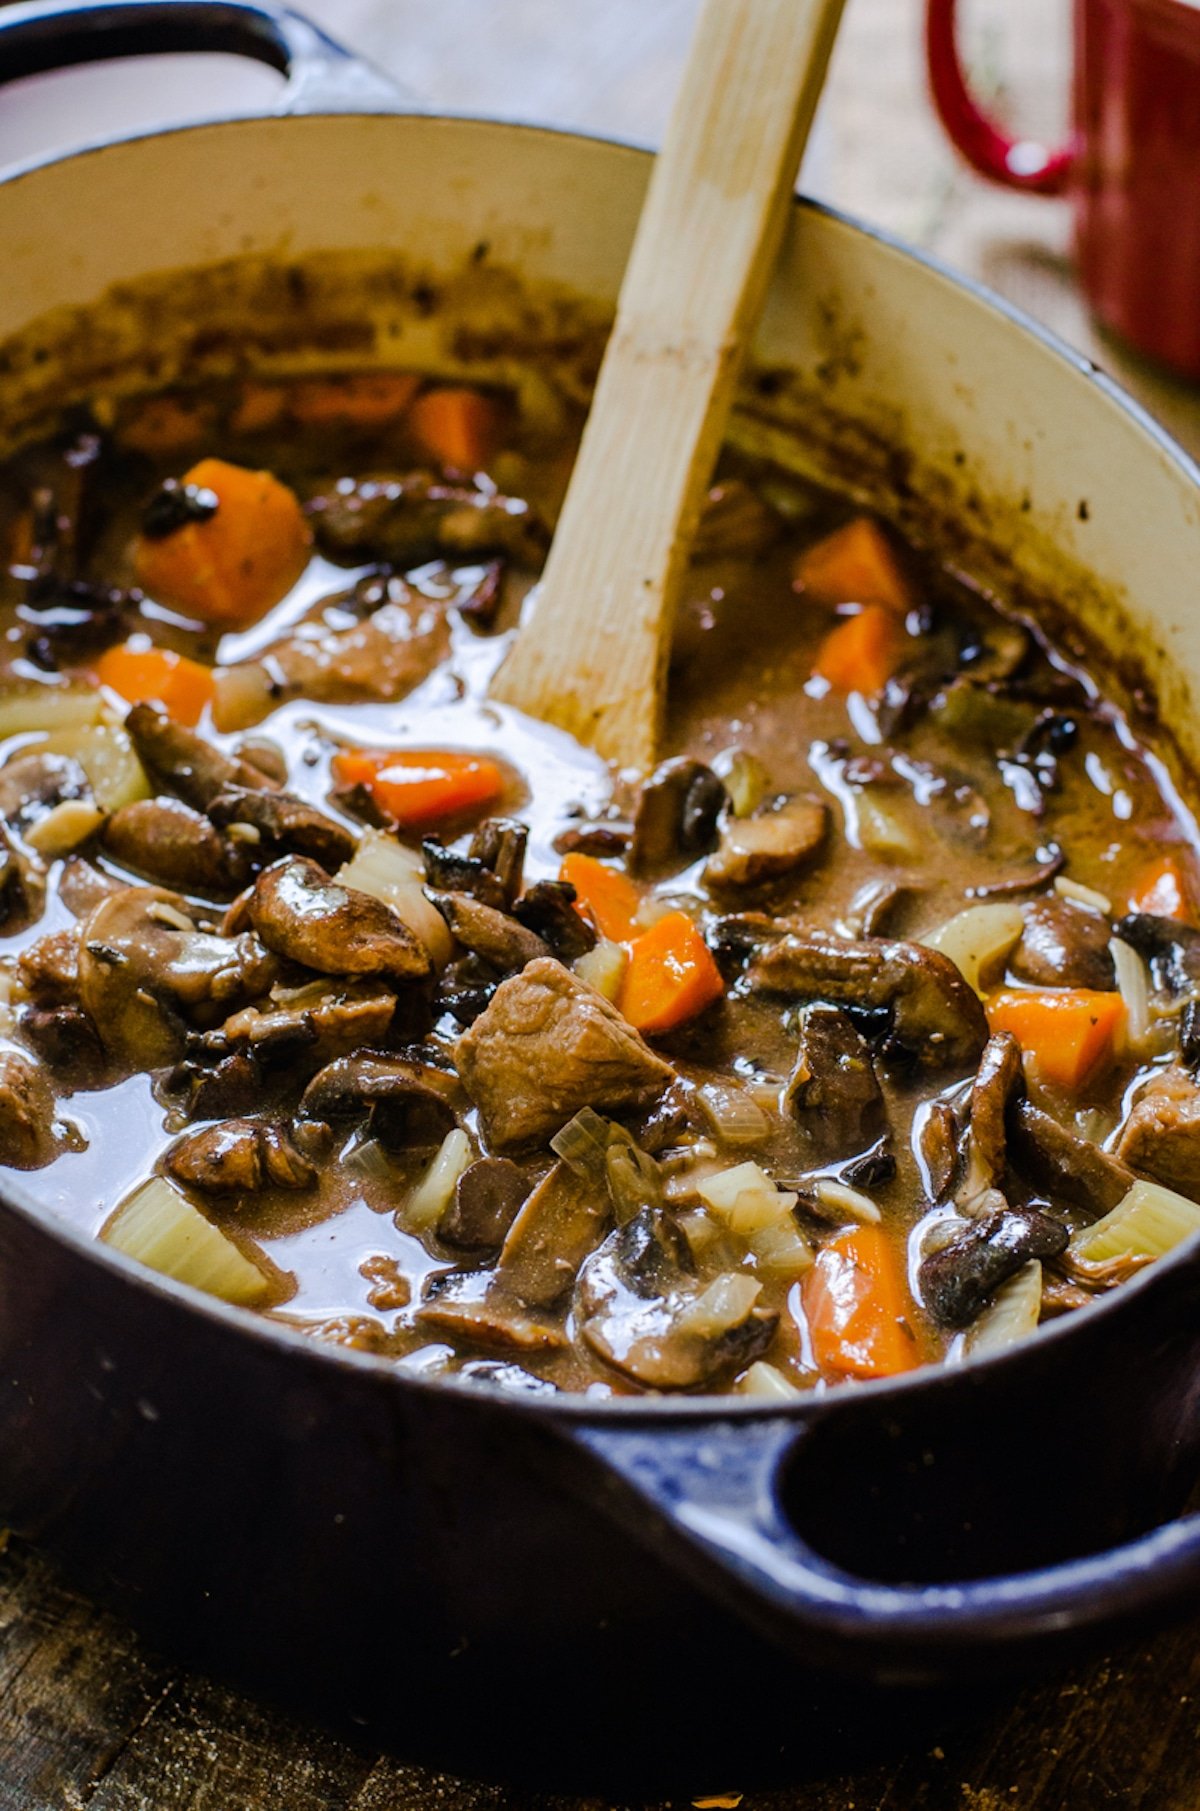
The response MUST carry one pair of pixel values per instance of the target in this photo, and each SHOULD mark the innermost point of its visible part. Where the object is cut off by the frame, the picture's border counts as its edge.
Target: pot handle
(42, 35)
(716, 1509)
(1017, 163)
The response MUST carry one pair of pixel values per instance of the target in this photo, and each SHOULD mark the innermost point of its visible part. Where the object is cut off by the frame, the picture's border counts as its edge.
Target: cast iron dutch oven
(584, 1590)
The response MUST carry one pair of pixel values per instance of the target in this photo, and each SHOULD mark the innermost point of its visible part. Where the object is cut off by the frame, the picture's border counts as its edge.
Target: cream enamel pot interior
(443, 1562)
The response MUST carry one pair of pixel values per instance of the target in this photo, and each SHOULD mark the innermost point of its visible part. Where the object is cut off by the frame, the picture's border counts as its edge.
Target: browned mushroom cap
(937, 1019)
(471, 1307)
(754, 850)
(144, 970)
(324, 1020)
(494, 935)
(833, 1088)
(1065, 1165)
(676, 816)
(300, 913)
(187, 763)
(499, 843)
(28, 1137)
(487, 1199)
(561, 1222)
(406, 1095)
(1063, 945)
(81, 885)
(175, 846)
(404, 518)
(242, 1155)
(548, 908)
(281, 824)
(956, 1281)
(633, 1303)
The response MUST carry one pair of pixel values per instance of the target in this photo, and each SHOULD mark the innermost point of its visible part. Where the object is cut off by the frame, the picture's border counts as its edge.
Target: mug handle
(1016, 162)
(321, 77)
(708, 1497)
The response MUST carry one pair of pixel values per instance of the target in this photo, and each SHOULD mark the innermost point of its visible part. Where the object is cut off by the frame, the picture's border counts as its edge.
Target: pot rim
(564, 1406)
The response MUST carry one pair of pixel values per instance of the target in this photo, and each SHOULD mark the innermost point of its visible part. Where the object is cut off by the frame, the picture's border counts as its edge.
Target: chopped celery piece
(884, 831)
(387, 870)
(746, 780)
(970, 713)
(1147, 1222)
(745, 1198)
(107, 757)
(1011, 1315)
(162, 1230)
(435, 1190)
(978, 940)
(767, 1381)
(48, 707)
(603, 967)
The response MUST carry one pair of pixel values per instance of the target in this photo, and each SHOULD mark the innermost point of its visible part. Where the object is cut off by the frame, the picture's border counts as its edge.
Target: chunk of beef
(28, 1137)
(937, 1020)
(240, 1156)
(1063, 945)
(833, 1089)
(1161, 1137)
(546, 1046)
(957, 1281)
(49, 968)
(381, 657)
(1064, 1165)
(417, 516)
(752, 851)
(300, 913)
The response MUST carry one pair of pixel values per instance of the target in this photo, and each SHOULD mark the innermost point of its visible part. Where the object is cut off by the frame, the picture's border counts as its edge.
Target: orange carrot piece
(183, 687)
(605, 895)
(854, 565)
(861, 652)
(670, 978)
(1164, 890)
(162, 425)
(357, 398)
(423, 787)
(1071, 1033)
(458, 427)
(230, 568)
(858, 1309)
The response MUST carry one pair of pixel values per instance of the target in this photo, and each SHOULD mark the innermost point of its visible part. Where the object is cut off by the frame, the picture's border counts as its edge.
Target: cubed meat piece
(546, 1046)
(1161, 1137)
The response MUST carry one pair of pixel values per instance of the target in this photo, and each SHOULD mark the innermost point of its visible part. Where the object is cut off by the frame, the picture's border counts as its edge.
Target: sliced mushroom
(403, 519)
(999, 1081)
(145, 971)
(937, 1020)
(548, 909)
(938, 1147)
(755, 850)
(632, 1306)
(956, 1282)
(410, 1099)
(82, 886)
(676, 816)
(833, 1089)
(448, 871)
(1161, 1136)
(563, 1220)
(22, 888)
(487, 1199)
(282, 825)
(191, 767)
(1064, 1165)
(240, 1156)
(28, 1137)
(547, 1045)
(174, 846)
(471, 1307)
(499, 842)
(300, 913)
(495, 936)
(1063, 945)
(1172, 949)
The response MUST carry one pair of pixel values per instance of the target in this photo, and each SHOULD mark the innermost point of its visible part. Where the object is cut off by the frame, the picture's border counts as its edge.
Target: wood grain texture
(592, 655)
(88, 1718)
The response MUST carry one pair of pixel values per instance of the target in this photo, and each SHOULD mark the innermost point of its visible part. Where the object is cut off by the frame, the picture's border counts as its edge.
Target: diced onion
(162, 1230)
(767, 1381)
(387, 870)
(745, 1198)
(1147, 1222)
(603, 967)
(48, 707)
(371, 1160)
(734, 1115)
(780, 1250)
(106, 755)
(1134, 985)
(746, 780)
(883, 832)
(1012, 1314)
(724, 1304)
(978, 940)
(242, 696)
(583, 1142)
(435, 1190)
(842, 1199)
(1078, 894)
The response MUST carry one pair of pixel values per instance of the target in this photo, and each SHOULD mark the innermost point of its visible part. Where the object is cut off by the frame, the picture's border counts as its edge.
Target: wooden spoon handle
(592, 656)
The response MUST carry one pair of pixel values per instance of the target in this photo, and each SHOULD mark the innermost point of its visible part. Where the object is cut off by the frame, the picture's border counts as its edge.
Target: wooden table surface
(88, 1717)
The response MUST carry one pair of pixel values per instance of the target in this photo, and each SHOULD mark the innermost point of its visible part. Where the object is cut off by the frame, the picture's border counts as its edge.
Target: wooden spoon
(592, 654)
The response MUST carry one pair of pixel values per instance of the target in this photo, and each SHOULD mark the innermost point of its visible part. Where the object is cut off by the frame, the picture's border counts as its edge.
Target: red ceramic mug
(1132, 167)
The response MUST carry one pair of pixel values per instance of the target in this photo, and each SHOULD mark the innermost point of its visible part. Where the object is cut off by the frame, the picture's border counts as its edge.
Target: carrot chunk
(230, 568)
(670, 978)
(606, 896)
(422, 787)
(458, 427)
(860, 654)
(1163, 889)
(357, 398)
(183, 687)
(1071, 1033)
(857, 1306)
(854, 565)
